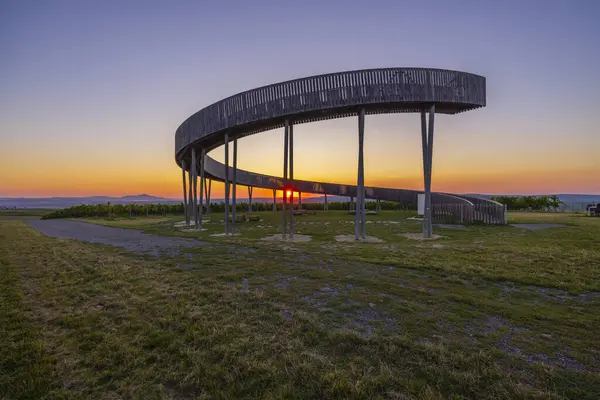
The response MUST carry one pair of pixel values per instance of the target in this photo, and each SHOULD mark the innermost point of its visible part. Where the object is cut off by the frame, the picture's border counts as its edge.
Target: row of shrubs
(131, 210)
(531, 203)
(110, 210)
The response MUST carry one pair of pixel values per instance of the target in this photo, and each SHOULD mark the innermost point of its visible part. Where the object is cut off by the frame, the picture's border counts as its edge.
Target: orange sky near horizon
(49, 185)
(390, 161)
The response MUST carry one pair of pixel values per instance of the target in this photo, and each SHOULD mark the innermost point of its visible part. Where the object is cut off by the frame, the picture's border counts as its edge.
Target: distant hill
(64, 202)
(580, 198)
(143, 197)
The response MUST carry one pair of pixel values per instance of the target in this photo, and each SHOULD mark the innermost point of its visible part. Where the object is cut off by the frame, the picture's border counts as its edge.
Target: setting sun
(288, 193)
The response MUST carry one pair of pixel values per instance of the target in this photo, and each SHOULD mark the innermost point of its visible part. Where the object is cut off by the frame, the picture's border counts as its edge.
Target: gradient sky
(91, 92)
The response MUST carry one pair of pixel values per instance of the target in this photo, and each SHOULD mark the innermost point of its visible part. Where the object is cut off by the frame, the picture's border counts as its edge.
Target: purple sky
(106, 83)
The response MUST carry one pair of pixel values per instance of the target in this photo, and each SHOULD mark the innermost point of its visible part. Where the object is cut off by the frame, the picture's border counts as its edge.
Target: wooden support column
(250, 188)
(427, 144)
(185, 200)
(285, 177)
(195, 188)
(359, 225)
(291, 168)
(226, 184)
(208, 190)
(234, 193)
(190, 195)
(202, 183)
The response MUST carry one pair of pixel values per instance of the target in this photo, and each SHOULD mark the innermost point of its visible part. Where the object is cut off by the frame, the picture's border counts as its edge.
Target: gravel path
(130, 239)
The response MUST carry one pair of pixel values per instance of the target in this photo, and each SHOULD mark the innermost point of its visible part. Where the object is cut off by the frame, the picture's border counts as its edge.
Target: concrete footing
(352, 238)
(192, 229)
(419, 236)
(279, 238)
(224, 234)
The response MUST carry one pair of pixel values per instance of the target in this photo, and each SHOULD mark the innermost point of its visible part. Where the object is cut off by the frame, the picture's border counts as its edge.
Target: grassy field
(486, 312)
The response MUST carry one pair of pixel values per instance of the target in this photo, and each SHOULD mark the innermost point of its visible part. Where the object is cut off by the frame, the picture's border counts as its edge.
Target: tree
(556, 202)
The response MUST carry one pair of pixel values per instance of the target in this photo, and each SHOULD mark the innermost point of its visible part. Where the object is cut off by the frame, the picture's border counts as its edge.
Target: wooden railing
(489, 213)
(317, 97)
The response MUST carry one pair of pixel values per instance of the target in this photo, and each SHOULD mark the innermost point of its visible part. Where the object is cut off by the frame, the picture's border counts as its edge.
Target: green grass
(567, 258)
(489, 312)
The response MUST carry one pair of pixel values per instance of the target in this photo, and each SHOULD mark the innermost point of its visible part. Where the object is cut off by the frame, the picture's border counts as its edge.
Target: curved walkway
(329, 96)
(216, 170)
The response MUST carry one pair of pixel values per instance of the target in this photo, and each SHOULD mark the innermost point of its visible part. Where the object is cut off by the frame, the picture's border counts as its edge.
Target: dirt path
(130, 239)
